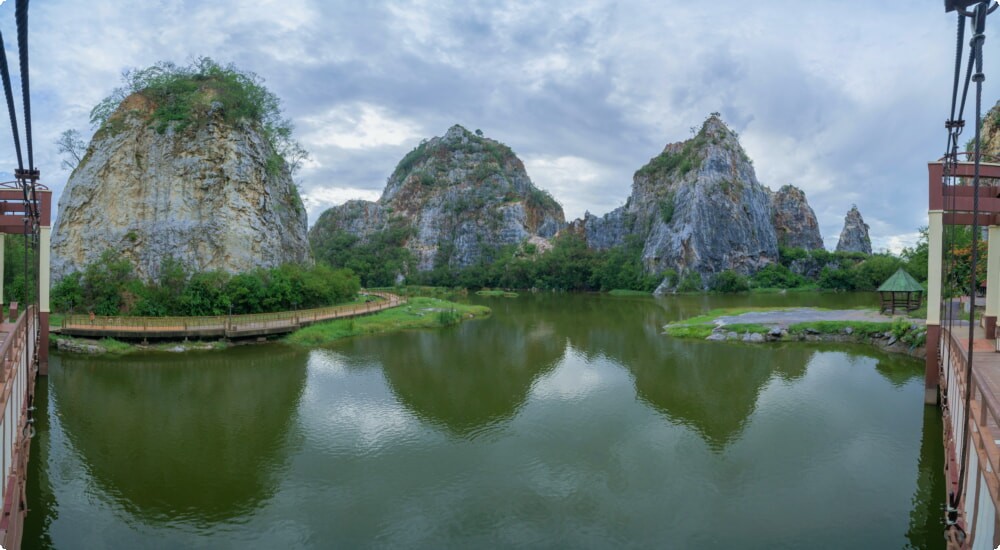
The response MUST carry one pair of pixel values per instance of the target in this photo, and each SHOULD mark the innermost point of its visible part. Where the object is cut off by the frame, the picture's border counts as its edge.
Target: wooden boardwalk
(220, 326)
(982, 433)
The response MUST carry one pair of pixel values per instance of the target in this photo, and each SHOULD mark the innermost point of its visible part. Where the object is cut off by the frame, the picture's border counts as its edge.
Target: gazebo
(900, 291)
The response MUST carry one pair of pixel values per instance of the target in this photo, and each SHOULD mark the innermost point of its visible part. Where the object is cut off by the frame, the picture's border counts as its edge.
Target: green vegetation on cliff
(569, 265)
(376, 261)
(186, 96)
(110, 287)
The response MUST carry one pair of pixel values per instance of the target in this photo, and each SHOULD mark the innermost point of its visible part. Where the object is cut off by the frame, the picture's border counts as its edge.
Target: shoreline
(775, 325)
(420, 312)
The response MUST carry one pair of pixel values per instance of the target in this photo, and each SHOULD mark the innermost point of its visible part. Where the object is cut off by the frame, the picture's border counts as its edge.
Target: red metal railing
(983, 427)
(17, 381)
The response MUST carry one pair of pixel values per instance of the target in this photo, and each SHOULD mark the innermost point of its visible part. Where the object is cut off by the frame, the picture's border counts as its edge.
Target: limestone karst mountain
(209, 190)
(452, 202)
(697, 206)
(854, 237)
(794, 221)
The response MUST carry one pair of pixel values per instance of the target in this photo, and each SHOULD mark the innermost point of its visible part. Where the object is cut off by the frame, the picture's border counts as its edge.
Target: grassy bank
(420, 312)
(902, 329)
(117, 347)
(497, 293)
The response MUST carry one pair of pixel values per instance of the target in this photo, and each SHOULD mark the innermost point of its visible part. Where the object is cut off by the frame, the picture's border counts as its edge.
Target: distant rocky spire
(794, 220)
(854, 236)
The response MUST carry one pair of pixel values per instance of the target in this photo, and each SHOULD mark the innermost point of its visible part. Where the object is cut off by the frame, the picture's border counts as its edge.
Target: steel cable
(21, 14)
(9, 94)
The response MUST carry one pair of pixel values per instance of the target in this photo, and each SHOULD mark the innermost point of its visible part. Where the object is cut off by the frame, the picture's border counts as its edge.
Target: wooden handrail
(226, 324)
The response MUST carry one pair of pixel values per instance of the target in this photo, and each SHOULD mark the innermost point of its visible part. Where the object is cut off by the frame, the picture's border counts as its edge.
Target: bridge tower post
(3, 240)
(935, 233)
(44, 277)
(992, 281)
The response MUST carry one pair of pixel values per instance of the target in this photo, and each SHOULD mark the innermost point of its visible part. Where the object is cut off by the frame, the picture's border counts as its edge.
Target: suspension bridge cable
(8, 92)
(21, 14)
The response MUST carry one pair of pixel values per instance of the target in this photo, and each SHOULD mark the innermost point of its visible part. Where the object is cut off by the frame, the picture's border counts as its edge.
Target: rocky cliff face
(461, 196)
(854, 236)
(698, 207)
(210, 195)
(990, 145)
(795, 224)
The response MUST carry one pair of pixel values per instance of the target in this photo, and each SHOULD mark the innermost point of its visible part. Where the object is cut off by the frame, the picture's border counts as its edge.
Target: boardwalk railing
(229, 326)
(17, 380)
(982, 484)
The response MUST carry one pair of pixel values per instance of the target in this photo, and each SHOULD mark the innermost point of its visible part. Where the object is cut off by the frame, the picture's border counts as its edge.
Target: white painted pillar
(992, 280)
(935, 248)
(44, 266)
(3, 239)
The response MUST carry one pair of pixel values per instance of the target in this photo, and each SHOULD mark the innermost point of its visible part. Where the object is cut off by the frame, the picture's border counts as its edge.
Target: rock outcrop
(990, 134)
(213, 195)
(854, 236)
(459, 197)
(794, 221)
(698, 207)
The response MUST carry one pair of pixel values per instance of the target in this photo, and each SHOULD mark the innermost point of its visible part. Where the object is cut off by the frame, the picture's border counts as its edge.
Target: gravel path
(785, 317)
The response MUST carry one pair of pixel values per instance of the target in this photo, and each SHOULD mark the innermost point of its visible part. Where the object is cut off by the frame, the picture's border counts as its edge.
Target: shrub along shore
(899, 335)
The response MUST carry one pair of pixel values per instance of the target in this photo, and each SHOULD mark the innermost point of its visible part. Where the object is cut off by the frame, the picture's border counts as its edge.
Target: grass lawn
(420, 312)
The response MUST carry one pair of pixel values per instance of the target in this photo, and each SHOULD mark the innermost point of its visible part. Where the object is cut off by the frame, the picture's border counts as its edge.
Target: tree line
(110, 286)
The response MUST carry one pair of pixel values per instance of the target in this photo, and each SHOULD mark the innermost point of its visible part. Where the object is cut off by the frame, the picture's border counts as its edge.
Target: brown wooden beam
(962, 218)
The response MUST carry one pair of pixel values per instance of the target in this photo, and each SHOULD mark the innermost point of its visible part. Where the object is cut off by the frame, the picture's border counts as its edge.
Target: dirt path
(785, 317)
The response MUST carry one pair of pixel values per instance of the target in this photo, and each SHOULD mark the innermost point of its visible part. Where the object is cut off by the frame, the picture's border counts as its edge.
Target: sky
(844, 99)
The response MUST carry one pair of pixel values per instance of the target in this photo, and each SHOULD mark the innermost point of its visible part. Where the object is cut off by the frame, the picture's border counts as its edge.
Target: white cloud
(844, 101)
(318, 199)
(357, 125)
(578, 184)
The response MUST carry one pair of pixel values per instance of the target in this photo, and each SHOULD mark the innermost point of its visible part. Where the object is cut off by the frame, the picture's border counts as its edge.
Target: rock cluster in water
(454, 197)
(210, 195)
(854, 237)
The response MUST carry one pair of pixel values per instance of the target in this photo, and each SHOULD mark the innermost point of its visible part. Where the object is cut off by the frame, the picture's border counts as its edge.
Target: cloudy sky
(845, 99)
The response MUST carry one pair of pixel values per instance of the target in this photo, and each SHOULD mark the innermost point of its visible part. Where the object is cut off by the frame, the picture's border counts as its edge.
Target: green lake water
(562, 421)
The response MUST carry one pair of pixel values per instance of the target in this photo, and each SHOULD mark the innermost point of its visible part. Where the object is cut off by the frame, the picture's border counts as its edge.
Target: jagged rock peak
(213, 194)
(699, 208)
(461, 195)
(794, 221)
(854, 237)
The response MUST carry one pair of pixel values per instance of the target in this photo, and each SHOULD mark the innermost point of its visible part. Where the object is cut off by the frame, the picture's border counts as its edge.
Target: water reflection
(713, 388)
(926, 529)
(709, 387)
(464, 377)
(177, 444)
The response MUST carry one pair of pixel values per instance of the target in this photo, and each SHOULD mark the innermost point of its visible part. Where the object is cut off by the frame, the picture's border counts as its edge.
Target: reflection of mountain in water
(196, 436)
(710, 387)
(467, 376)
(714, 387)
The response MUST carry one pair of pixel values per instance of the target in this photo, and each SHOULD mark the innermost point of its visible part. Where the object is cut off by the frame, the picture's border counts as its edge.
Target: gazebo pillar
(992, 281)
(935, 233)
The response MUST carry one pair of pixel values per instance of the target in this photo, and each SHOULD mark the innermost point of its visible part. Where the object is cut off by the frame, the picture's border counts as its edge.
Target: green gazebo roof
(901, 281)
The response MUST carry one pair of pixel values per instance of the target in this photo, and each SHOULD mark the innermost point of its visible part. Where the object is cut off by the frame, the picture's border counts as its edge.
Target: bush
(691, 283)
(872, 272)
(730, 281)
(110, 287)
(777, 276)
(836, 279)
